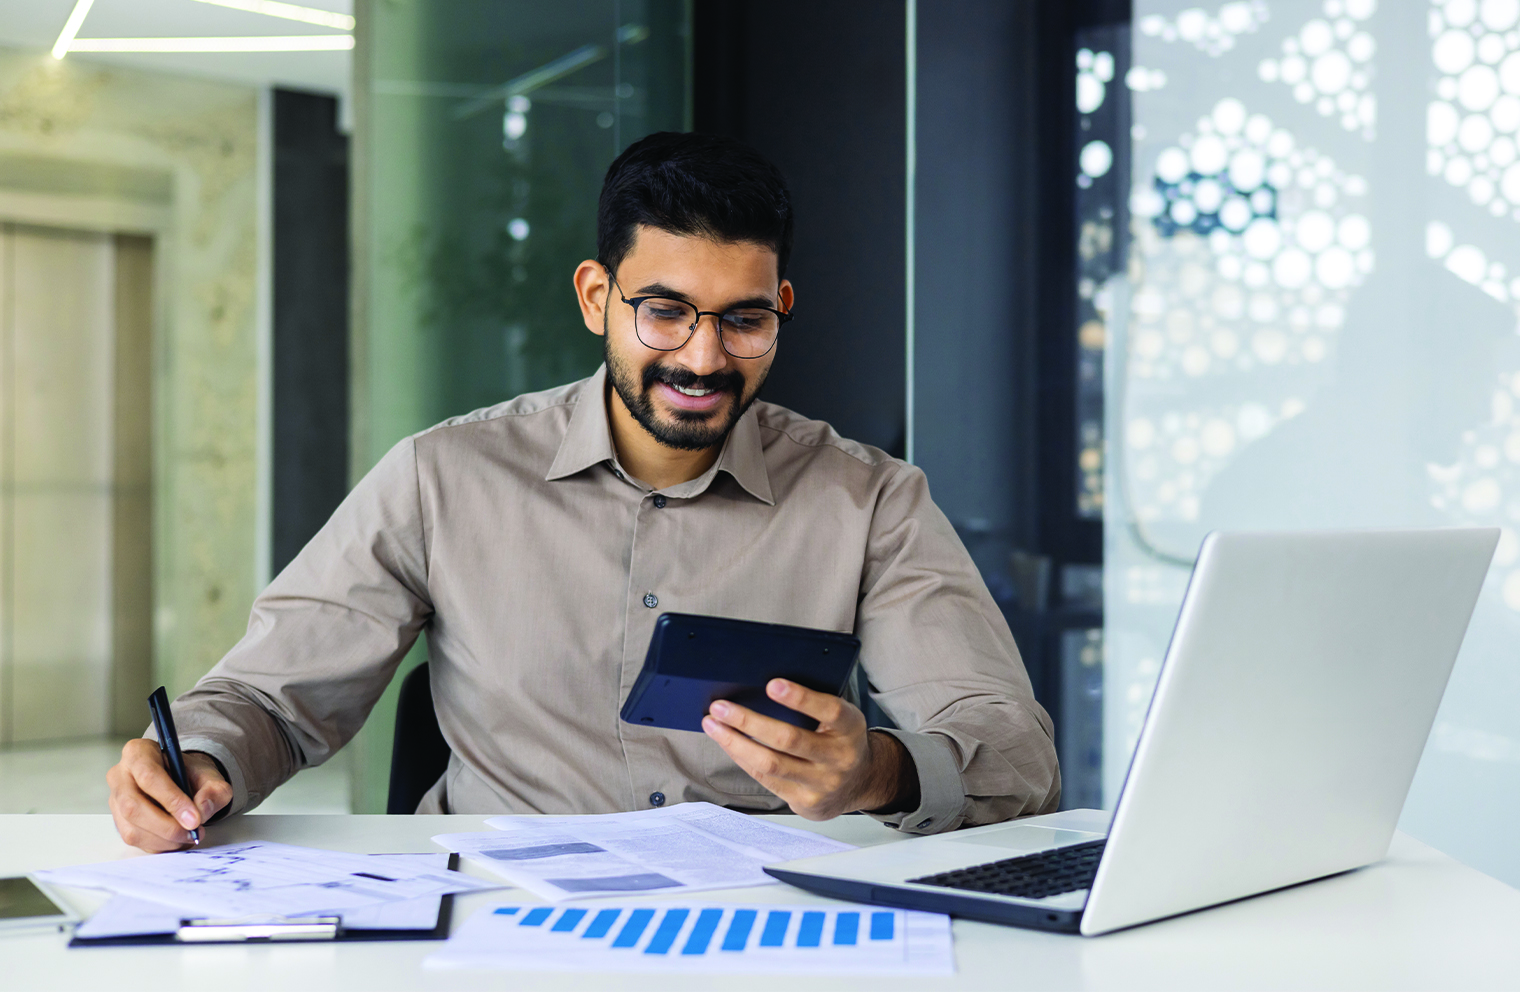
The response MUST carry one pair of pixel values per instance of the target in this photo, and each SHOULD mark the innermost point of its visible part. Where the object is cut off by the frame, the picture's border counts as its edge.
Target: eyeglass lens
(668, 324)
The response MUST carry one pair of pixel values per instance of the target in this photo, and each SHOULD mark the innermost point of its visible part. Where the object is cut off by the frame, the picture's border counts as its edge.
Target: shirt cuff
(941, 797)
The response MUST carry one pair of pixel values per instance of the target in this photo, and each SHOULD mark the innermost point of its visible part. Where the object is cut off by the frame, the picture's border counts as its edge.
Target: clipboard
(276, 930)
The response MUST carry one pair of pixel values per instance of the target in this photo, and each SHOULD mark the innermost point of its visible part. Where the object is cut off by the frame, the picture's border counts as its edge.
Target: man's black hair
(693, 184)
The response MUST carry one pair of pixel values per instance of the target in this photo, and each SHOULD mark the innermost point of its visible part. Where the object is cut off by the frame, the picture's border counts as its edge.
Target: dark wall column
(310, 450)
(979, 284)
(820, 89)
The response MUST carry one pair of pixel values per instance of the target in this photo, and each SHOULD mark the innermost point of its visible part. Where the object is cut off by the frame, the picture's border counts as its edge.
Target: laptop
(1290, 712)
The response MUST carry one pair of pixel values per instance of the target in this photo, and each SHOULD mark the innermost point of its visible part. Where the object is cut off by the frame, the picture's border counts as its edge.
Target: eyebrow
(664, 291)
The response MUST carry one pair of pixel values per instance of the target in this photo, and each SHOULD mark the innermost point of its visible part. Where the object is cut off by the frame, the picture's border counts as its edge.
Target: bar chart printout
(812, 939)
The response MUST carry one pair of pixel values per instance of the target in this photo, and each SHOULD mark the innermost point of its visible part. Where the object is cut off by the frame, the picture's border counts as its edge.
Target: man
(537, 541)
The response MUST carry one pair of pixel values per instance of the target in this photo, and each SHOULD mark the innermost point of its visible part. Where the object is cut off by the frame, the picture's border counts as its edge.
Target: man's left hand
(838, 768)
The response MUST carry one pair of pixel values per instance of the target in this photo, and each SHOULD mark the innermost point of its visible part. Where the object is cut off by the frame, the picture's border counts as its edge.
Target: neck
(646, 459)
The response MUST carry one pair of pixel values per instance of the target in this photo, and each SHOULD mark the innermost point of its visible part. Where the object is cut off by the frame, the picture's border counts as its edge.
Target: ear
(591, 286)
(785, 293)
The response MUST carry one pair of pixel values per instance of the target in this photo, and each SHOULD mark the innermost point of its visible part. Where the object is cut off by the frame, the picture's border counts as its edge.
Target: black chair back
(420, 755)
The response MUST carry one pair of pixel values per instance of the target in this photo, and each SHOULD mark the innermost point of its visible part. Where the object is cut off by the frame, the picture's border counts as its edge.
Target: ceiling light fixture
(290, 11)
(71, 28)
(281, 43)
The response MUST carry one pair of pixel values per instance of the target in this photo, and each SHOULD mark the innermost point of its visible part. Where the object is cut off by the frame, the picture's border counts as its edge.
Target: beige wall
(116, 150)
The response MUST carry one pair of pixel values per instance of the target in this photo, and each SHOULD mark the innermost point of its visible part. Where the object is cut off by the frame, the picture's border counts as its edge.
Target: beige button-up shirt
(537, 568)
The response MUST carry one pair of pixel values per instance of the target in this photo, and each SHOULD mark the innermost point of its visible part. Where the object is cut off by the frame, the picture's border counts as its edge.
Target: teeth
(691, 392)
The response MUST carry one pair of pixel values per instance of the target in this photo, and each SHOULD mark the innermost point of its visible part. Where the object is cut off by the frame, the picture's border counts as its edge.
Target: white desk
(1417, 920)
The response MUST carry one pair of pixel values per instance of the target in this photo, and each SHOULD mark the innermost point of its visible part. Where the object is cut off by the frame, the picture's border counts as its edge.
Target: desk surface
(1417, 920)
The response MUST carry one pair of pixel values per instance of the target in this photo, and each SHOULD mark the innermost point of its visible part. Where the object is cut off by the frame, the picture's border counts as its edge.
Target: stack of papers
(676, 848)
(262, 879)
(756, 939)
(124, 916)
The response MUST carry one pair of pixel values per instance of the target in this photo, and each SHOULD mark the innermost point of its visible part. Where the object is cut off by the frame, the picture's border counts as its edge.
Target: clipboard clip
(261, 928)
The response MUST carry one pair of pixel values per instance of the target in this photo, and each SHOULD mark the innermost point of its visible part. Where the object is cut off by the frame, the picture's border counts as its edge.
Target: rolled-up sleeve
(943, 664)
(323, 640)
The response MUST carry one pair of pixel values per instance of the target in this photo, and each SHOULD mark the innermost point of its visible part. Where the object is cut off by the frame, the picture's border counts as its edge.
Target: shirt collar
(588, 442)
(588, 439)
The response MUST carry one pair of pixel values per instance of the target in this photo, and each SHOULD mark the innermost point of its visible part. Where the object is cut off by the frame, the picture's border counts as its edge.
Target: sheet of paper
(676, 848)
(758, 939)
(264, 878)
(124, 916)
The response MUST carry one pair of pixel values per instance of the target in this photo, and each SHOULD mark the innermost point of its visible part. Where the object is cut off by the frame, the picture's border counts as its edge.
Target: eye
(666, 310)
(749, 321)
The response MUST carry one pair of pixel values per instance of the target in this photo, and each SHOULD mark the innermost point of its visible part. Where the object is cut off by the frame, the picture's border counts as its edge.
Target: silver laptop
(1291, 710)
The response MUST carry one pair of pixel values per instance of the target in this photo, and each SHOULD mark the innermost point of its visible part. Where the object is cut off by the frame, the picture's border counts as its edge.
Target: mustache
(723, 382)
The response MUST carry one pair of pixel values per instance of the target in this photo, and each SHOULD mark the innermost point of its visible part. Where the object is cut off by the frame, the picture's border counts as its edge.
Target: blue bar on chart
(776, 922)
(738, 929)
(665, 934)
(702, 932)
(601, 923)
(634, 928)
(656, 936)
(810, 932)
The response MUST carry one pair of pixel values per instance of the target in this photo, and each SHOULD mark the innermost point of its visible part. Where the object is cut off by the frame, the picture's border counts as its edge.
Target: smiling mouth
(687, 402)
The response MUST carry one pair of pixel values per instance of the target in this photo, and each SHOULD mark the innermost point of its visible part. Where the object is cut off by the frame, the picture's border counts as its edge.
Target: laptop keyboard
(1029, 876)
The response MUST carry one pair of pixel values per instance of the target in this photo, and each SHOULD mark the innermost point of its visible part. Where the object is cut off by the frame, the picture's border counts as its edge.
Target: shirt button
(659, 502)
(926, 823)
(651, 600)
(657, 799)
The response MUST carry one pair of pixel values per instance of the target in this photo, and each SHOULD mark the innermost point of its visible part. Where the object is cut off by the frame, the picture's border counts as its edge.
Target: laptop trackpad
(1025, 837)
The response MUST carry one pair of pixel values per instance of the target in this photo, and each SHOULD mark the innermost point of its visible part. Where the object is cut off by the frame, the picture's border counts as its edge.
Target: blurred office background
(1113, 272)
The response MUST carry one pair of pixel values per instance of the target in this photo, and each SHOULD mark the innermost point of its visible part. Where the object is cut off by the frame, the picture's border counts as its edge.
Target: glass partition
(482, 135)
(1316, 327)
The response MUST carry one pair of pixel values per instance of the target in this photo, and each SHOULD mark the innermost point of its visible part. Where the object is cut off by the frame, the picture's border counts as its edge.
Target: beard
(686, 430)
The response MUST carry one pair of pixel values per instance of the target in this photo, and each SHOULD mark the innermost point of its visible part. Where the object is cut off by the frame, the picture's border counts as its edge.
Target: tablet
(696, 660)
(26, 904)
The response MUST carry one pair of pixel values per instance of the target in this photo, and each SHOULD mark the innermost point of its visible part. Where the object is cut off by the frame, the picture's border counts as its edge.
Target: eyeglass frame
(785, 316)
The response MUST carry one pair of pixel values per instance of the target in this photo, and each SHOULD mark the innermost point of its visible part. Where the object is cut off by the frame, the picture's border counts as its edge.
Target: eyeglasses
(664, 324)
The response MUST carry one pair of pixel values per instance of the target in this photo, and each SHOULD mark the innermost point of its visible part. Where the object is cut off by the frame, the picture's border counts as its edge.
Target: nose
(703, 352)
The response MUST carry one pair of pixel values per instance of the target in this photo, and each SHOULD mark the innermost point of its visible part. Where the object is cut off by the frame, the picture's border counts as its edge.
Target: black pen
(168, 745)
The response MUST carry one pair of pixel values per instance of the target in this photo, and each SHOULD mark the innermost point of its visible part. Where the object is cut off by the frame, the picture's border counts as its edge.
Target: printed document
(674, 848)
(267, 879)
(755, 939)
(125, 916)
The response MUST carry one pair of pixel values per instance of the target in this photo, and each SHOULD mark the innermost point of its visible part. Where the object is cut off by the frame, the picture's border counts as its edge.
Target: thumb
(212, 791)
(211, 797)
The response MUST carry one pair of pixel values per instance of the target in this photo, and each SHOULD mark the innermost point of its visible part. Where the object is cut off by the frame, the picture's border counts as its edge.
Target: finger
(154, 780)
(142, 824)
(763, 764)
(830, 711)
(211, 797)
(141, 821)
(212, 791)
(775, 734)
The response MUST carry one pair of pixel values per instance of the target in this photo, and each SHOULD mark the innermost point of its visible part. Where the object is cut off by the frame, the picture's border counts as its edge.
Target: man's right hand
(150, 810)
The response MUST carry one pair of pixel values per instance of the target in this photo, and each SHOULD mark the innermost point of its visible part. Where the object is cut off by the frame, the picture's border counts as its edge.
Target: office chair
(419, 755)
